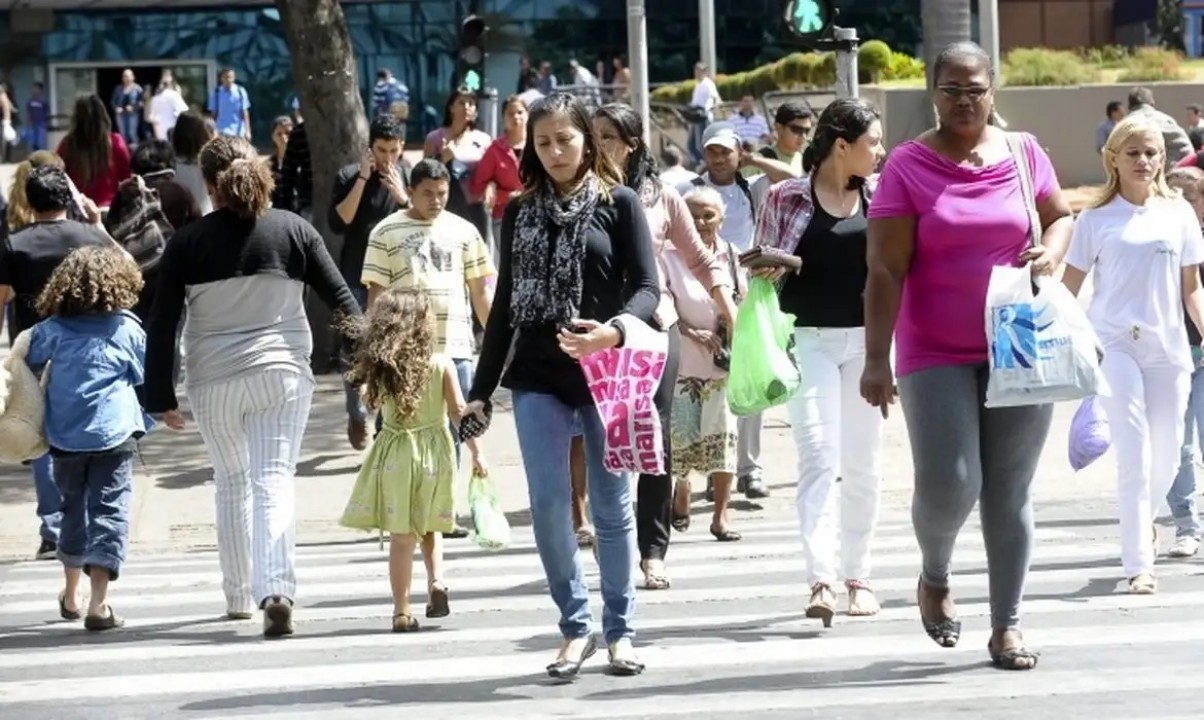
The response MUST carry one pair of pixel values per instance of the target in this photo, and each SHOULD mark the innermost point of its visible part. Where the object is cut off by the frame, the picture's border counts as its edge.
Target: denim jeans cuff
(70, 560)
(105, 561)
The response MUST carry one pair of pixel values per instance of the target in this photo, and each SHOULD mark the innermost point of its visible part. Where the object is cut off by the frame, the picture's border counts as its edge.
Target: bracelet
(361, 177)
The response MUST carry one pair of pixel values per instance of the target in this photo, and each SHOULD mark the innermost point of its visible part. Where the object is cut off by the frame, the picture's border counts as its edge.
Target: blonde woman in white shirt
(1144, 244)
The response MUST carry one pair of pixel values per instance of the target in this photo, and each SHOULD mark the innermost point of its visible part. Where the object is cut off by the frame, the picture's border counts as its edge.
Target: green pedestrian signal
(472, 81)
(808, 19)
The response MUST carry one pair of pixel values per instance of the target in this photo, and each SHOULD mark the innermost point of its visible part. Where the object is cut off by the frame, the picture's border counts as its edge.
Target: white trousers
(837, 434)
(252, 427)
(1146, 417)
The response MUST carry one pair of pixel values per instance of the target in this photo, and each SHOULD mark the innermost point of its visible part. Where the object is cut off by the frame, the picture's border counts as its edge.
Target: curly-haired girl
(405, 485)
(95, 348)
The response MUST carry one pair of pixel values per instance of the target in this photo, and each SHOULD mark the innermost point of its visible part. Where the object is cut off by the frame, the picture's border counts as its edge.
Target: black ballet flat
(568, 669)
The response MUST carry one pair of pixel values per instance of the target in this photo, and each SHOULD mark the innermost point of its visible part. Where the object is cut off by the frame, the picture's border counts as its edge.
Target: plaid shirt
(787, 211)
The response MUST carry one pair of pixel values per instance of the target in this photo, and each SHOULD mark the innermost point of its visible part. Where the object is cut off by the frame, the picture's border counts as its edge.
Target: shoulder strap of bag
(1024, 172)
(731, 266)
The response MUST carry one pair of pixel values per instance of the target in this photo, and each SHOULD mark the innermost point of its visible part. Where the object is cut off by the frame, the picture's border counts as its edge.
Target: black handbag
(723, 356)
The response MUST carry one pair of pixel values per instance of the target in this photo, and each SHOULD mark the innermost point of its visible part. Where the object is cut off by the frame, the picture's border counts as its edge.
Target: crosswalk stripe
(484, 667)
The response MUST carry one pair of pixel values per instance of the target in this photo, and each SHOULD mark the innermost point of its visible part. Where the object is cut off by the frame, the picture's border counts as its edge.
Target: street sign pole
(988, 29)
(813, 22)
(637, 54)
(706, 33)
(846, 62)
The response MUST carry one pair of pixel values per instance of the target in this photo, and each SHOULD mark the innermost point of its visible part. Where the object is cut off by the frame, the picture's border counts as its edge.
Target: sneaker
(48, 550)
(357, 433)
(1184, 546)
(277, 617)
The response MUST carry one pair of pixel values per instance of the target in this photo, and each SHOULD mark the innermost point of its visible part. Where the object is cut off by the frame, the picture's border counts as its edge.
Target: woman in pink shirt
(621, 136)
(495, 178)
(948, 208)
(97, 158)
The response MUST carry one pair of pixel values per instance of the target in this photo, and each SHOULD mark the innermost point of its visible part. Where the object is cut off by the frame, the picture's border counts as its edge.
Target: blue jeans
(50, 499)
(1182, 495)
(36, 138)
(96, 491)
(544, 426)
(127, 125)
(354, 404)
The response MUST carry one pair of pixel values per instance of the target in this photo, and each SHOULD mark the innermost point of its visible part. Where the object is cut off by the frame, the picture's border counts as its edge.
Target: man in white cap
(742, 198)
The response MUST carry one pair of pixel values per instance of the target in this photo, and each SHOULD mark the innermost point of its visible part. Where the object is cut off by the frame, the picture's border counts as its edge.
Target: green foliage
(1041, 67)
(1170, 24)
(797, 70)
(874, 57)
(903, 67)
(1151, 64)
(1106, 56)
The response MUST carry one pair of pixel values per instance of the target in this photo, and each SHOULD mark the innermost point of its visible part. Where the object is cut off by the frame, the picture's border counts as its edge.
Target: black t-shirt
(830, 289)
(30, 256)
(619, 275)
(376, 204)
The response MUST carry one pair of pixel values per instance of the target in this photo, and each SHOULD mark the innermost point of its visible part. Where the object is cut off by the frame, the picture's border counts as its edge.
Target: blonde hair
(20, 214)
(1125, 131)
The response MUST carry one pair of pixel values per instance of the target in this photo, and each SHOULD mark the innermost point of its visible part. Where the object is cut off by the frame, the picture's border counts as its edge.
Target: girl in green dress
(405, 485)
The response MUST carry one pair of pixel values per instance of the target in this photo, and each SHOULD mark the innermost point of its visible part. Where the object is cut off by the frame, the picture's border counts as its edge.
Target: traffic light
(471, 59)
(809, 19)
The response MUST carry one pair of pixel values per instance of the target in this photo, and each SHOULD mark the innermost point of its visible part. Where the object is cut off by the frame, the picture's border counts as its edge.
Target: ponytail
(241, 183)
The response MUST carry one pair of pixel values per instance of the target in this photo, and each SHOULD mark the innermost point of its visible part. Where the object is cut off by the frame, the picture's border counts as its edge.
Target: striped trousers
(252, 426)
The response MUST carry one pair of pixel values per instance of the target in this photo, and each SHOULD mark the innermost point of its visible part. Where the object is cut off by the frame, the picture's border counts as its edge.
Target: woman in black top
(575, 253)
(821, 218)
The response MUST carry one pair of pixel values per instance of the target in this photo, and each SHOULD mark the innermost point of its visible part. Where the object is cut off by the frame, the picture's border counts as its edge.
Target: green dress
(405, 484)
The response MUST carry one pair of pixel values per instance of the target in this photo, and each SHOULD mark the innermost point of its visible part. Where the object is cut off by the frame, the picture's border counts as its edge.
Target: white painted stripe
(535, 583)
(793, 592)
(961, 688)
(152, 651)
(766, 653)
(683, 545)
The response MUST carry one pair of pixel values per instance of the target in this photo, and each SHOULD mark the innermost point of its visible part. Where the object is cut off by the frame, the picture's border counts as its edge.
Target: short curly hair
(91, 281)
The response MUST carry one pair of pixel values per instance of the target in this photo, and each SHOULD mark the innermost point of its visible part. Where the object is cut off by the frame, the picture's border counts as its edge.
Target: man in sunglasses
(792, 124)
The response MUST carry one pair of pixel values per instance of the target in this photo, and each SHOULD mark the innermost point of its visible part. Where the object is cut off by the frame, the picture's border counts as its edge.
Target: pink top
(673, 227)
(968, 220)
(103, 188)
(695, 308)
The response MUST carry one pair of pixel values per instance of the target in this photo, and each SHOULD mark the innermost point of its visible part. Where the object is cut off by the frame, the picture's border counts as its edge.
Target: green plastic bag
(763, 370)
(491, 530)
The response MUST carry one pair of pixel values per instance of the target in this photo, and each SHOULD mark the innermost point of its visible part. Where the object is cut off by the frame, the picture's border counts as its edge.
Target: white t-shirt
(165, 108)
(740, 216)
(1138, 254)
(706, 95)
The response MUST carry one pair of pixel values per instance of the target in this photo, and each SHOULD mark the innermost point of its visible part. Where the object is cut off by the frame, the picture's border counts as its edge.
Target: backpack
(144, 228)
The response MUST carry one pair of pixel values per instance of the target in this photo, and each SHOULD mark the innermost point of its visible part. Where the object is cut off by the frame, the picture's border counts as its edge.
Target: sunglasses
(800, 130)
(974, 92)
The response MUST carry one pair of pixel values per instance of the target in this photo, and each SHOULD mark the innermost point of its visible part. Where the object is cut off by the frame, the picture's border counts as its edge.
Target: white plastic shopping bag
(1041, 346)
(623, 382)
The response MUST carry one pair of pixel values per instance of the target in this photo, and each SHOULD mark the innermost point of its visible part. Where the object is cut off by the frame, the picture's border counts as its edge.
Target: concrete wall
(1063, 118)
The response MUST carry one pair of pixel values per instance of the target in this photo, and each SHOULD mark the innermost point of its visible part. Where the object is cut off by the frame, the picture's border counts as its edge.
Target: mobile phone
(78, 197)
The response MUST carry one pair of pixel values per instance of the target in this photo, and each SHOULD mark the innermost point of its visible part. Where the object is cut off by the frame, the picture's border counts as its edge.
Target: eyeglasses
(975, 93)
(800, 130)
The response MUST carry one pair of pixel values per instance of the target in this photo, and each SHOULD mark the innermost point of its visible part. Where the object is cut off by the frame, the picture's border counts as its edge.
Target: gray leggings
(964, 452)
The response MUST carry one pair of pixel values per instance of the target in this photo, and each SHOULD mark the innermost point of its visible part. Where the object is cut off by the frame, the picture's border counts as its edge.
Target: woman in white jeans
(1144, 244)
(821, 218)
(243, 270)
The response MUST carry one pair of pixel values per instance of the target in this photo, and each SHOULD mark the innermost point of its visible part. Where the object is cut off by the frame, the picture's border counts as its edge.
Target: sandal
(1015, 658)
(654, 580)
(722, 534)
(109, 621)
(436, 603)
(862, 602)
(66, 614)
(623, 662)
(404, 623)
(680, 523)
(944, 632)
(822, 604)
(1143, 584)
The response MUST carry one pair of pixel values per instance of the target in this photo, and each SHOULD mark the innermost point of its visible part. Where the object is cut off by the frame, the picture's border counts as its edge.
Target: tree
(1170, 24)
(944, 22)
(335, 124)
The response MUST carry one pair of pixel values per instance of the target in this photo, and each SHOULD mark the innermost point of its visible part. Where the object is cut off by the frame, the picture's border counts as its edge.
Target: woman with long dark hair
(97, 158)
(191, 133)
(459, 145)
(821, 218)
(576, 255)
(621, 136)
(243, 270)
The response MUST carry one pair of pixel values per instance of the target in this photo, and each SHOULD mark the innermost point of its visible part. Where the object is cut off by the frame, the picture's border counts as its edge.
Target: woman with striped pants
(243, 270)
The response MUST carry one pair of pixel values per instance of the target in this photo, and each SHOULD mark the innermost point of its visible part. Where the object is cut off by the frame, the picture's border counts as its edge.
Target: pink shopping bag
(623, 382)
